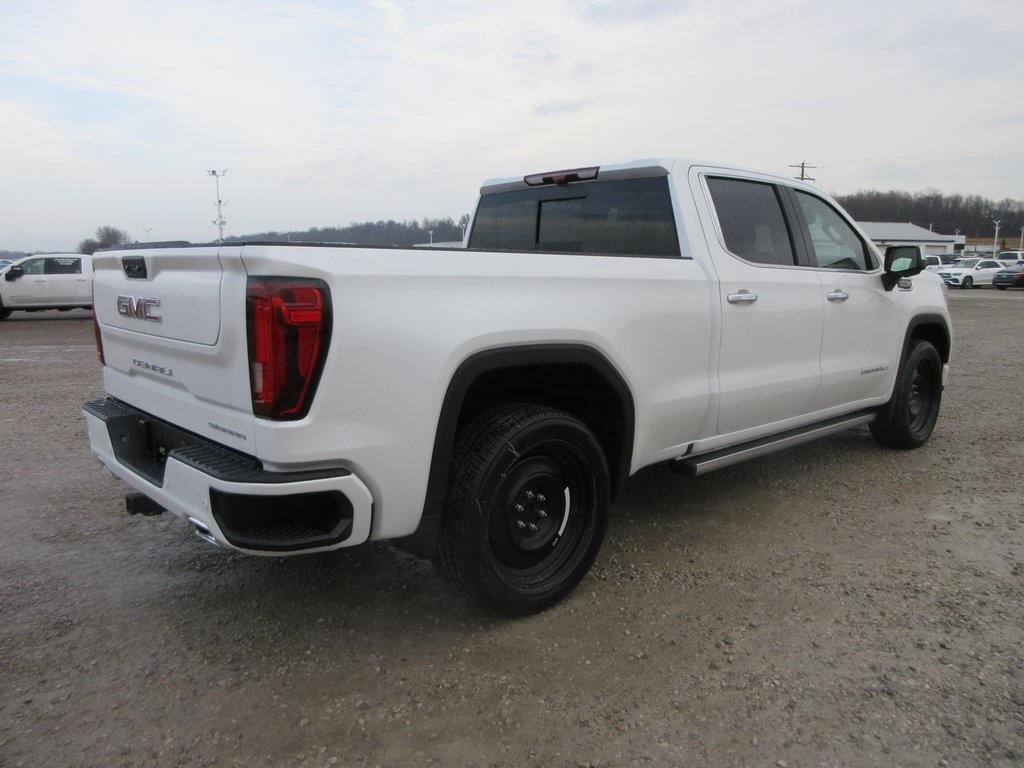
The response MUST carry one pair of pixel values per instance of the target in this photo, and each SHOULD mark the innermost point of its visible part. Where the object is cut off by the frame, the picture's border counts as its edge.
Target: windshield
(965, 263)
(1015, 268)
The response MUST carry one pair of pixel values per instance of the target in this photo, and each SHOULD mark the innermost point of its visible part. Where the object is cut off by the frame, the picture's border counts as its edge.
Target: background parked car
(55, 281)
(935, 262)
(1010, 277)
(968, 273)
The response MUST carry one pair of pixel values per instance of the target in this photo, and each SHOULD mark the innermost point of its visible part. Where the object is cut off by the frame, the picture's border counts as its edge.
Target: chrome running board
(726, 457)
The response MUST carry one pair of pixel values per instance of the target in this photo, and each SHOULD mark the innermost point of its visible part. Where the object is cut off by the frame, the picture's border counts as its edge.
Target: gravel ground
(838, 604)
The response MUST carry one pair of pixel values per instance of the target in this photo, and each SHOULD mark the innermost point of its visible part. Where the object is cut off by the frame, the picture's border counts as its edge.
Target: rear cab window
(625, 217)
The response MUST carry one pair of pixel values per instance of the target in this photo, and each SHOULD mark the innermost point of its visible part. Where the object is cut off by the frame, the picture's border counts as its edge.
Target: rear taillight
(289, 326)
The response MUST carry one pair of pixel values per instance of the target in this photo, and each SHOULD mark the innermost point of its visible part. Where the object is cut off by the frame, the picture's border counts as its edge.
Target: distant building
(886, 233)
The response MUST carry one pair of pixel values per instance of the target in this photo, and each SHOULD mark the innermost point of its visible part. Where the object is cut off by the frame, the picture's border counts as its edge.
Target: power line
(804, 166)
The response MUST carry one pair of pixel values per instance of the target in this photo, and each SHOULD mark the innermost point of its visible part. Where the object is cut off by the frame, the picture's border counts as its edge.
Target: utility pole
(1021, 246)
(804, 166)
(995, 240)
(219, 222)
(431, 232)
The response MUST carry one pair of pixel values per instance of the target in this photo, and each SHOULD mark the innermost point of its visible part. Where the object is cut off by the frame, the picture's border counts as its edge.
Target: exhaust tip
(200, 530)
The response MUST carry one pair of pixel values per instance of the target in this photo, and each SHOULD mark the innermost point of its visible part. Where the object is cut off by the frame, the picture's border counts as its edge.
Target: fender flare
(927, 319)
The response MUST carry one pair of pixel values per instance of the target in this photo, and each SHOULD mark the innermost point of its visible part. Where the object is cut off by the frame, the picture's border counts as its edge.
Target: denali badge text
(139, 307)
(151, 367)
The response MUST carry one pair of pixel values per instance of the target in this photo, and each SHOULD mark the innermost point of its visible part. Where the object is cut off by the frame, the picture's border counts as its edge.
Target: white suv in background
(54, 281)
(968, 273)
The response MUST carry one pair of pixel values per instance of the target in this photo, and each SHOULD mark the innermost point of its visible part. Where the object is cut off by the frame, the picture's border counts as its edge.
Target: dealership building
(886, 233)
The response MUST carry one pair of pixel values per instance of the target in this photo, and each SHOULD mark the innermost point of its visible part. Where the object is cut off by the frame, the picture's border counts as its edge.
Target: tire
(908, 419)
(4, 313)
(1001, 287)
(967, 283)
(526, 509)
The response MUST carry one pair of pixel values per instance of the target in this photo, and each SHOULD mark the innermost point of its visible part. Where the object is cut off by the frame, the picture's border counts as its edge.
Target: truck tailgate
(173, 329)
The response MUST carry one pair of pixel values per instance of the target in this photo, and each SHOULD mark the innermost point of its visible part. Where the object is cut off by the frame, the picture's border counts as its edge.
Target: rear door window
(753, 226)
(631, 217)
(63, 265)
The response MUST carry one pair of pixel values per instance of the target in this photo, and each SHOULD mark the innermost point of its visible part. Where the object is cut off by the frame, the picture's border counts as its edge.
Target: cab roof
(633, 169)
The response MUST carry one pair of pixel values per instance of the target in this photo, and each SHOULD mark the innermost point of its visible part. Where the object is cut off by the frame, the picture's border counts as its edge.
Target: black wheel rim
(922, 401)
(541, 513)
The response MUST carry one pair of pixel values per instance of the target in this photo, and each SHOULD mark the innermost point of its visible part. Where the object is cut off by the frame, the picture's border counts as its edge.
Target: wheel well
(575, 388)
(936, 333)
(574, 378)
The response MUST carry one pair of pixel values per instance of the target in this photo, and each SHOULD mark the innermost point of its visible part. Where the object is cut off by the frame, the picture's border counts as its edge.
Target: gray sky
(331, 112)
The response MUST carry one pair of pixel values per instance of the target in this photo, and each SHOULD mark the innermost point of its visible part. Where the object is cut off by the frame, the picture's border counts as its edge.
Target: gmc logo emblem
(140, 308)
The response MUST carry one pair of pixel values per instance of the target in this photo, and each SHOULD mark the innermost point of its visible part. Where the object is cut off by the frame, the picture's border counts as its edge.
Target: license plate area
(143, 444)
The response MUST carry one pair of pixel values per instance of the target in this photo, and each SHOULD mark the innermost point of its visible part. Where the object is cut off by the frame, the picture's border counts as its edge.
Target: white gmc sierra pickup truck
(485, 404)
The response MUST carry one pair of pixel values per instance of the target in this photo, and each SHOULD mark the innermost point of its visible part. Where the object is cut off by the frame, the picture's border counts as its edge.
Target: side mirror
(901, 261)
(13, 274)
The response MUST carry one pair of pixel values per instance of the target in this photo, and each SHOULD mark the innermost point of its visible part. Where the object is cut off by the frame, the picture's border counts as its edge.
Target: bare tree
(106, 237)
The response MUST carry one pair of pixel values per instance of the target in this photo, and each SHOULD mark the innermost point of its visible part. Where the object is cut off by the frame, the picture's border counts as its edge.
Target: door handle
(38, 281)
(837, 295)
(743, 297)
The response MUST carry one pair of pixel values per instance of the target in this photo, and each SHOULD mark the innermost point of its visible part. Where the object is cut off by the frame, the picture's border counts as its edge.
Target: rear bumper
(227, 497)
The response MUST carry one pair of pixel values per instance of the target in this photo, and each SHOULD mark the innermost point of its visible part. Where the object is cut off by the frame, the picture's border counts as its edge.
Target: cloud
(560, 107)
(392, 13)
(626, 11)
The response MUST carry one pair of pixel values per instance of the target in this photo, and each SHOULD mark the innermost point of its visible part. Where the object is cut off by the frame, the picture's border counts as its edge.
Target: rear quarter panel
(405, 319)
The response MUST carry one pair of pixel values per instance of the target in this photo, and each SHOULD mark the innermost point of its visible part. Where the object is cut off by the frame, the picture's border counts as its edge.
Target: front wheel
(909, 417)
(968, 282)
(527, 508)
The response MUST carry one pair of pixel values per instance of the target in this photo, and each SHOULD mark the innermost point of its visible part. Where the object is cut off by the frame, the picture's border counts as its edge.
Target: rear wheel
(527, 508)
(968, 282)
(909, 417)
